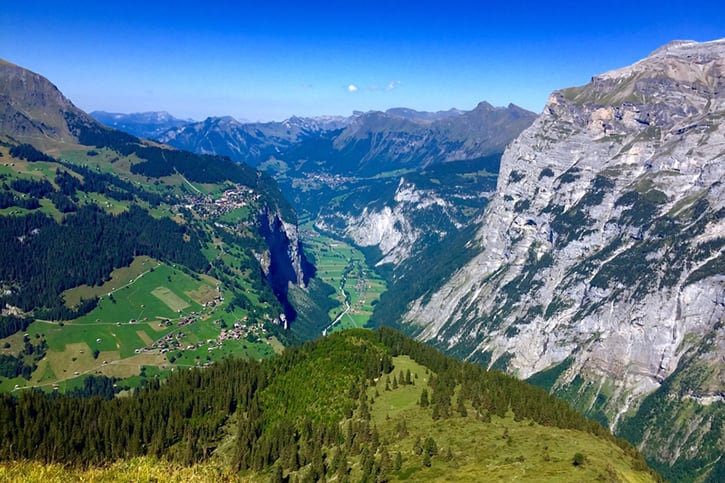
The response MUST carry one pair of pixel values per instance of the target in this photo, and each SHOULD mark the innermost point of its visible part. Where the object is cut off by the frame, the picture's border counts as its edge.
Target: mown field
(140, 304)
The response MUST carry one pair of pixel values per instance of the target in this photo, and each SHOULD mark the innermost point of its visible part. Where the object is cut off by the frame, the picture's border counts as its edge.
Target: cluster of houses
(328, 179)
(242, 330)
(167, 343)
(208, 207)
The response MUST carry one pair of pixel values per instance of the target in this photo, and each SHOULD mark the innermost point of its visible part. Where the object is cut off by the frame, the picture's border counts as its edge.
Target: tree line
(305, 408)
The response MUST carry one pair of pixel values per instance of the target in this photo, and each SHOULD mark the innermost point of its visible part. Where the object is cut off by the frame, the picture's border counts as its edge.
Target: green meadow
(130, 315)
(472, 449)
(343, 267)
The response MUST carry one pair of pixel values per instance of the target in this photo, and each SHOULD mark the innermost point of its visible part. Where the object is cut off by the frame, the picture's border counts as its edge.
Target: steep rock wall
(602, 250)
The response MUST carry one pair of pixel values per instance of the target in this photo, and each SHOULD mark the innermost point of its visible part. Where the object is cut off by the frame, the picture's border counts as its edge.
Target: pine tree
(424, 398)
(385, 463)
(398, 463)
(277, 475)
(430, 446)
(461, 407)
(418, 446)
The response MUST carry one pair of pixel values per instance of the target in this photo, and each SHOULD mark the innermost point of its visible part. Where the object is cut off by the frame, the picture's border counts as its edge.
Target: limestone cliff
(395, 226)
(601, 254)
(283, 262)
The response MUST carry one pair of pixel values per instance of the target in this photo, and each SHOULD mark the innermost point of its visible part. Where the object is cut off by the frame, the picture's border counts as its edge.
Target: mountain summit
(601, 264)
(32, 109)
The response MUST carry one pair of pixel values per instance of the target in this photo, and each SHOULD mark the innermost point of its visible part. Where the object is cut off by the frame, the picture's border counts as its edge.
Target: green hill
(354, 406)
(126, 259)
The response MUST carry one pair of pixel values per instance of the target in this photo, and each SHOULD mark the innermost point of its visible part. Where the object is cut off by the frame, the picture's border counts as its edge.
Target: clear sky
(268, 60)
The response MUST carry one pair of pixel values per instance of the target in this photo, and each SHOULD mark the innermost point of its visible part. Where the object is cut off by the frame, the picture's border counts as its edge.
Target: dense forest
(308, 408)
(43, 258)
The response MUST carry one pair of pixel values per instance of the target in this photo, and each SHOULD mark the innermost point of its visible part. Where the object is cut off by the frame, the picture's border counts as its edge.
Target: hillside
(353, 406)
(598, 265)
(125, 258)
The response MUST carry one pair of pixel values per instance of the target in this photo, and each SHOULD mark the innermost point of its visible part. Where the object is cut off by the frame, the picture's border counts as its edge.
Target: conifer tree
(461, 407)
(418, 446)
(424, 398)
(398, 463)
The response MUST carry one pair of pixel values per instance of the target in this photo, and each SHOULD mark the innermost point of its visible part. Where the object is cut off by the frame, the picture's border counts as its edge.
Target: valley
(579, 250)
(341, 265)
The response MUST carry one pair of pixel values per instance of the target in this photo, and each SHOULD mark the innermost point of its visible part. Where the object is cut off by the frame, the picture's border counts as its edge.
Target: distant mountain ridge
(148, 125)
(364, 143)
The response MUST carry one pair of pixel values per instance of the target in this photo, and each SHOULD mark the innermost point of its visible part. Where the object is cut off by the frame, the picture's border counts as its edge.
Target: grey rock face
(284, 263)
(392, 227)
(603, 245)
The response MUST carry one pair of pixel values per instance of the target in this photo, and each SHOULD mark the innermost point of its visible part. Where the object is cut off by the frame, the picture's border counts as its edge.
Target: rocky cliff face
(392, 227)
(601, 254)
(283, 262)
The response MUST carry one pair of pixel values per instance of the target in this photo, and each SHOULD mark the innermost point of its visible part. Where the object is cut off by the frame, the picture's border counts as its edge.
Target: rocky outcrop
(284, 263)
(391, 227)
(602, 251)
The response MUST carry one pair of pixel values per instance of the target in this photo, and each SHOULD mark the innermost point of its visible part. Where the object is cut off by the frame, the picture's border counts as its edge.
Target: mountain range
(581, 249)
(148, 125)
(597, 269)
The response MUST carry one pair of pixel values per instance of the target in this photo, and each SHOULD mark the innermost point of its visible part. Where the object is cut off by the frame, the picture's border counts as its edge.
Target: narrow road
(339, 317)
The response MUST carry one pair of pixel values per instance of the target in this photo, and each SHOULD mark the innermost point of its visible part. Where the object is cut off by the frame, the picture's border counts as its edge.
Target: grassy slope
(312, 384)
(502, 450)
(469, 449)
(146, 291)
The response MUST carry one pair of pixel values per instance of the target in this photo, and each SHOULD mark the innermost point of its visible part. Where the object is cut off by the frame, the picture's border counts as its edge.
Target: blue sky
(270, 60)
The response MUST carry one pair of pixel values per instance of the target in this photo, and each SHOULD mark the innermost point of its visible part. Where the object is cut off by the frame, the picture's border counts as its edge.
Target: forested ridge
(306, 412)
(158, 162)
